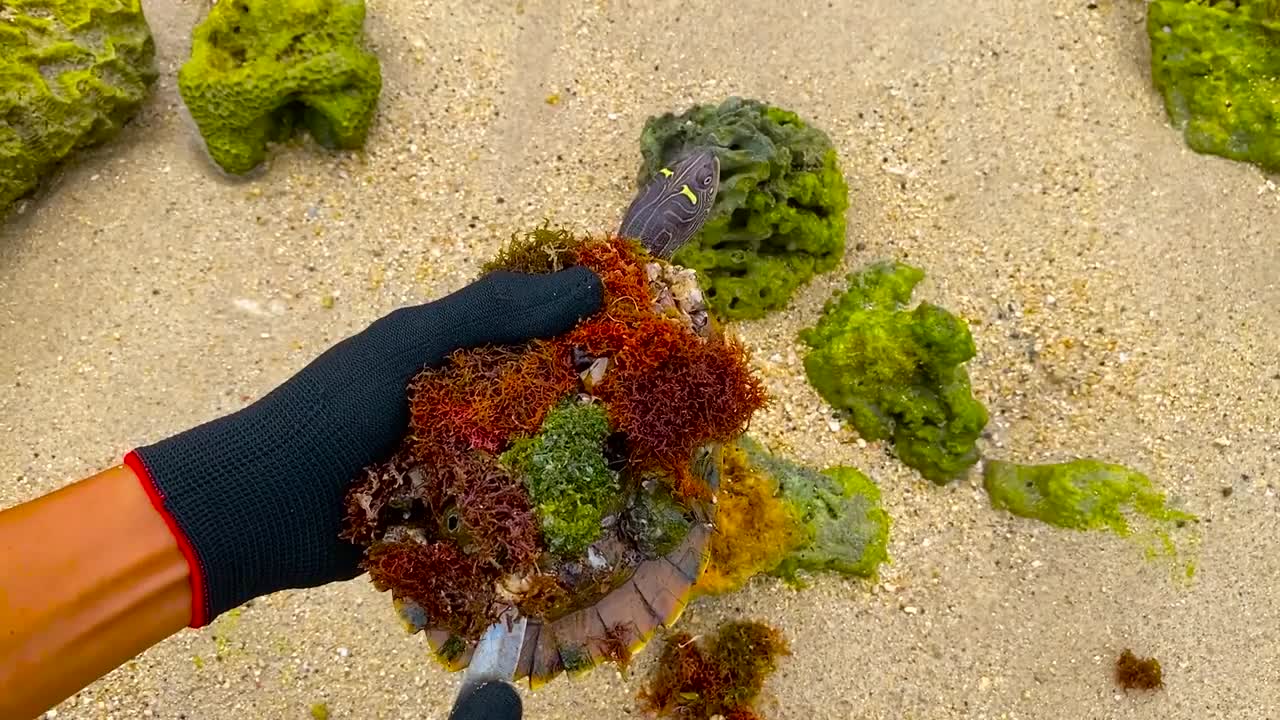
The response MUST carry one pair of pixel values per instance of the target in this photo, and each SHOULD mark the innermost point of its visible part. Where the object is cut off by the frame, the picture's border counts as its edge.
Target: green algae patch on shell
(568, 476)
(779, 215)
(261, 68)
(1217, 66)
(72, 74)
(1087, 494)
(655, 520)
(899, 374)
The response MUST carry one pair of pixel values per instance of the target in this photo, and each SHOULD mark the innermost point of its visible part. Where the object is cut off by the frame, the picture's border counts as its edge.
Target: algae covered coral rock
(899, 373)
(844, 528)
(72, 73)
(1218, 68)
(260, 68)
(779, 215)
(570, 478)
(778, 517)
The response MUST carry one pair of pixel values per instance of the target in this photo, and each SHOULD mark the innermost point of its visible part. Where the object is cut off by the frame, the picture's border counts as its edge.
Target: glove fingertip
(586, 288)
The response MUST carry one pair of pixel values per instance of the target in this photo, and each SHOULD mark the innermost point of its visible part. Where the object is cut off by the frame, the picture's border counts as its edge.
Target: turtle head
(674, 204)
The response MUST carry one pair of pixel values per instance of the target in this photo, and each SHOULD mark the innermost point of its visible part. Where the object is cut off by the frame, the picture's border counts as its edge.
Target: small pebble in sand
(1222, 442)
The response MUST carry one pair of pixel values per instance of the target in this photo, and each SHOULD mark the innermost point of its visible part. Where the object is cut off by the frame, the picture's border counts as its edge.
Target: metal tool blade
(498, 652)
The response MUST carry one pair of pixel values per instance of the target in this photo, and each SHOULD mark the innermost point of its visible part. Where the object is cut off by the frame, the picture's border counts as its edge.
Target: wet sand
(1124, 293)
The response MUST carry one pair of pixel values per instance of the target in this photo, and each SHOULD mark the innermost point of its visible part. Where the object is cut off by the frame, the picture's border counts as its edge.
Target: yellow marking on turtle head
(666, 172)
(685, 191)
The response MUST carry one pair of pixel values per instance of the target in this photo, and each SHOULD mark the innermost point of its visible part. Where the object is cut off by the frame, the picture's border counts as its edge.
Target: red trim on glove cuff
(198, 609)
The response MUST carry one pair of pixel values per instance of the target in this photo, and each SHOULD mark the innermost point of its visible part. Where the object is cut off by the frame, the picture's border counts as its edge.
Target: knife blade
(498, 652)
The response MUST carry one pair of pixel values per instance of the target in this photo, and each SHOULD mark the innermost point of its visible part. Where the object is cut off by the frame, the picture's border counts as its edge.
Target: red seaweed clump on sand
(1135, 673)
(566, 478)
(721, 678)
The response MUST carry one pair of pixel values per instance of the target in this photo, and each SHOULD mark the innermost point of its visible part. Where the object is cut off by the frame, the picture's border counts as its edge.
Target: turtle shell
(571, 479)
(617, 626)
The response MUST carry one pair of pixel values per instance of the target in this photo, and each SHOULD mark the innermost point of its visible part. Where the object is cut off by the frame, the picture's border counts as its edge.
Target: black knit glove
(494, 700)
(255, 498)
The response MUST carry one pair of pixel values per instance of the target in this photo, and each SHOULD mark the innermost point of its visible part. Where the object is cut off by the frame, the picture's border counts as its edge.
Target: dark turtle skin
(653, 593)
(674, 205)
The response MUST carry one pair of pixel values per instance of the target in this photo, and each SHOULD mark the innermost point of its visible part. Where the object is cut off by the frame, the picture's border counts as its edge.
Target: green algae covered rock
(777, 517)
(779, 213)
(899, 374)
(843, 527)
(260, 68)
(72, 73)
(1218, 67)
(567, 475)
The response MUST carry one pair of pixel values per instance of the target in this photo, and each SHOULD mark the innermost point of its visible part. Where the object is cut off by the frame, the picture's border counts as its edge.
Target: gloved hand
(491, 701)
(255, 498)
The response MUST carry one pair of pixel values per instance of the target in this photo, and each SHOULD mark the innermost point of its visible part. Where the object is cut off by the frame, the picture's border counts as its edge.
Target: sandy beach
(1123, 291)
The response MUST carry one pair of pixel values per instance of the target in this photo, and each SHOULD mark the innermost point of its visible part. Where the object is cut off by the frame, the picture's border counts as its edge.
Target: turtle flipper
(674, 205)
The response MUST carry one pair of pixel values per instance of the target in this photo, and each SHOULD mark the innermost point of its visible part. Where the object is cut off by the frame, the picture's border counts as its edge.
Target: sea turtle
(649, 540)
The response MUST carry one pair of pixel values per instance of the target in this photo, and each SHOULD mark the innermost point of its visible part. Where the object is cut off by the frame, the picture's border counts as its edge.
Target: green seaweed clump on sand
(1084, 494)
(779, 213)
(567, 475)
(1218, 67)
(899, 373)
(72, 73)
(1081, 494)
(721, 678)
(260, 68)
(781, 518)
